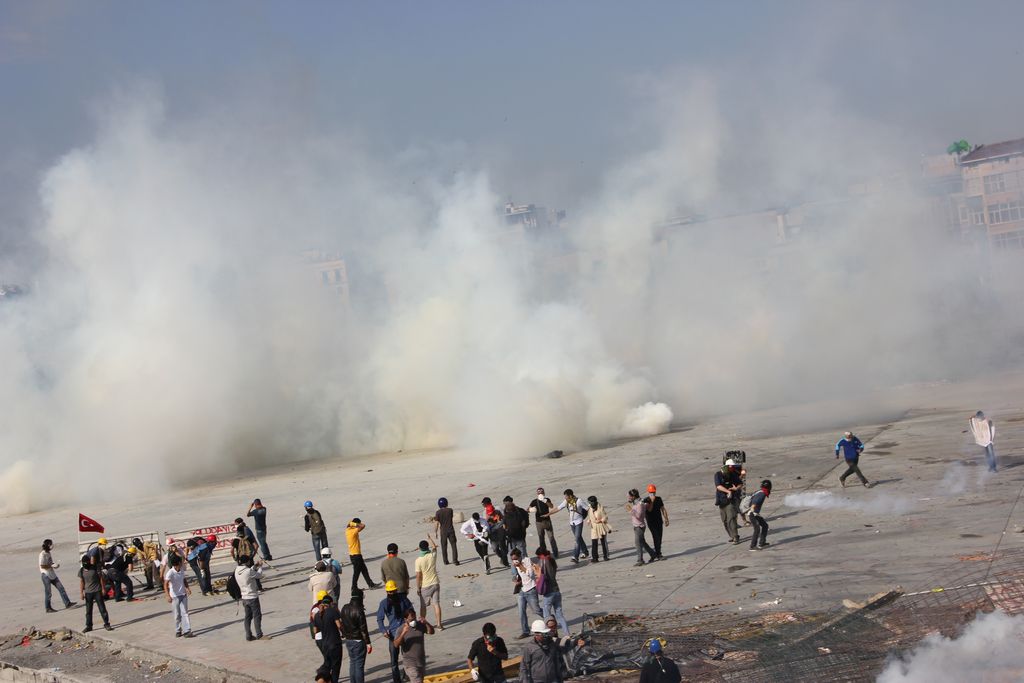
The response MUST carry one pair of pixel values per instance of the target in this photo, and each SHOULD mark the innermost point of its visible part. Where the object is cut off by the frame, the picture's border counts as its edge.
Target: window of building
(979, 217)
(1009, 240)
(337, 274)
(995, 183)
(964, 215)
(1005, 212)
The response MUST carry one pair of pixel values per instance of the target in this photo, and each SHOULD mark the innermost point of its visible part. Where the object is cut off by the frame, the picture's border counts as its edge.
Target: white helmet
(730, 463)
(539, 626)
(325, 551)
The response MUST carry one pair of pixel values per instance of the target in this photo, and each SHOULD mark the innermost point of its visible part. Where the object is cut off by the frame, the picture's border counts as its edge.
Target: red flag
(89, 524)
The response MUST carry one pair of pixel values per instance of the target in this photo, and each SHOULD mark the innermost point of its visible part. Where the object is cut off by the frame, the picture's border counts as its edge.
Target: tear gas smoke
(824, 500)
(988, 649)
(174, 331)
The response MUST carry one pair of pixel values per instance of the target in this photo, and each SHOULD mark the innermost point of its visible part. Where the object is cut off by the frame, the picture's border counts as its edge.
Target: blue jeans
(356, 660)
(553, 605)
(179, 606)
(581, 547)
(47, 581)
(525, 598)
(261, 538)
(319, 541)
(990, 455)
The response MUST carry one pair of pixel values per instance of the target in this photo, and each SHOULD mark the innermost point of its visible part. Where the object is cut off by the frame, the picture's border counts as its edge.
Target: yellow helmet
(132, 550)
(102, 541)
(321, 595)
(390, 586)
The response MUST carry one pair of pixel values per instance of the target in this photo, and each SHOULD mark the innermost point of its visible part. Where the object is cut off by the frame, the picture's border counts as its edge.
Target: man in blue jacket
(851, 447)
(390, 617)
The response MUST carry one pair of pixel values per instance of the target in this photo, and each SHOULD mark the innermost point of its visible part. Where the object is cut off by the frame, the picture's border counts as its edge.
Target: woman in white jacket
(599, 527)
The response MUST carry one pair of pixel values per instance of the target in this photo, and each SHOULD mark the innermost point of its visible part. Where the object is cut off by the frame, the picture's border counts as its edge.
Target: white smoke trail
(988, 649)
(824, 500)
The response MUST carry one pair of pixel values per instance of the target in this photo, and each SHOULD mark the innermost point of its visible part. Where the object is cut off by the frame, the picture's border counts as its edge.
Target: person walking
(638, 507)
(389, 620)
(428, 585)
(177, 591)
(475, 530)
(490, 652)
(760, 538)
(541, 507)
(496, 532)
(247, 576)
(411, 640)
(355, 554)
(356, 636)
(334, 567)
(547, 588)
(984, 433)
(314, 524)
(728, 489)
(657, 518)
(258, 512)
(92, 588)
(48, 575)
(393, 568)
(659, 668)
(577, 513)
(516, 522)
(327, 630)
(541, 659)
(322, 579)
(444, 529)
(599, 527)
(851, 447)
(525, 589)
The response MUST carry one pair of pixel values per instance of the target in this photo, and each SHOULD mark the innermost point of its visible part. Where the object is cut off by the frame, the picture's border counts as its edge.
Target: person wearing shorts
(428, 585)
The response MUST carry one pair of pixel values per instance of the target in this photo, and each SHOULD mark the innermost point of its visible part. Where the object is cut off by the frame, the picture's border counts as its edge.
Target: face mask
(540, 497)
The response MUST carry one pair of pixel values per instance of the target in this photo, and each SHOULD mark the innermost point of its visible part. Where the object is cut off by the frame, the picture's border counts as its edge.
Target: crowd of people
(495, 532)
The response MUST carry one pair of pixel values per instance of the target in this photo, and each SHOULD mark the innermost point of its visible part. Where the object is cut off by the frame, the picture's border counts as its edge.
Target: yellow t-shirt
(427, 566)
(352, 536)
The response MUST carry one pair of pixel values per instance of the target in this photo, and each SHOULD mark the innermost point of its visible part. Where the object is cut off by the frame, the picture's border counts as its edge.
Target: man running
(851, 447)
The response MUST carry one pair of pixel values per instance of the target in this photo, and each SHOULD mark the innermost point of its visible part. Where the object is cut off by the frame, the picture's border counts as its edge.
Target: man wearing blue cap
(314, 522)
(659, 668)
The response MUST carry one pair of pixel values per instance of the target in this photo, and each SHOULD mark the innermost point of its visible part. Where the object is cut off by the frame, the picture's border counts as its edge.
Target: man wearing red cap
(657, 518)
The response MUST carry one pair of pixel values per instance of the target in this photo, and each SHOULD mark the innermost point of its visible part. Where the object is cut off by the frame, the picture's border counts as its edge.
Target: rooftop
(994, 151)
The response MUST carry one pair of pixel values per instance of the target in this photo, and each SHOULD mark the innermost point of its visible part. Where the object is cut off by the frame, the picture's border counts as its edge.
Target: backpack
(234, 590)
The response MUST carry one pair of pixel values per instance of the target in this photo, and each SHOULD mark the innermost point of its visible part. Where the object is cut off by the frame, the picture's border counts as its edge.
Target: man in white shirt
(248, 575)
(525, 590)
(49, 577)
(577, 513)
(984, 433)
(177, 591)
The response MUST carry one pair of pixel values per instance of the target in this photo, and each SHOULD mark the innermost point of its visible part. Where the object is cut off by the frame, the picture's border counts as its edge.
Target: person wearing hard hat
(390, 615)
(541, 658)
(334, 567)
(444, 528)
(314, 524)
(728, 491)
(317, 607)
(659, 668)
(119, 568)
(657, 518)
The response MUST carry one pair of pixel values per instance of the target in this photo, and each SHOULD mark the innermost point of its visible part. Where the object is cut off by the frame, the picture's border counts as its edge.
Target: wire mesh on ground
(844, 644)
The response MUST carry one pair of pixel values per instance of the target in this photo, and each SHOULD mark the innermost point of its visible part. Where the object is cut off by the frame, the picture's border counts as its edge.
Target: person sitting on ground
(659, 668)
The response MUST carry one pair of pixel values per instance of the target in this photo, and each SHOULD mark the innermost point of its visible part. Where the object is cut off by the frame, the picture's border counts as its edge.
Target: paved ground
(933, 504)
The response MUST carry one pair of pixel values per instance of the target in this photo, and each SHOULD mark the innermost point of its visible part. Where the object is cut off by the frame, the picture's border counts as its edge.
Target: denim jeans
(179, 606)
(123, 587)
(254, 617)
(47, 582)
(396, 656)
(641, 543)
(95, 599)
(261, 538)
(580, 546)
(319, 541)
(525, 598)
(990, 456)
(760, 536)
(356, 660)
(553, 605)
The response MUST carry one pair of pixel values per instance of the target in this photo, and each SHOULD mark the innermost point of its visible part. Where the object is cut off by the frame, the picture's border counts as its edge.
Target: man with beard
(390, 617)
(542, 658)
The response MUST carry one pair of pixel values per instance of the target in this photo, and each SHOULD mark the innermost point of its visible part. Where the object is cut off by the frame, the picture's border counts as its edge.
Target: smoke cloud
(174, 330)
(987, 650)
(824, 500)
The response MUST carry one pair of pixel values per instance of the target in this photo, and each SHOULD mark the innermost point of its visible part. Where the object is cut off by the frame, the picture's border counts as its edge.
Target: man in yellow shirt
(355, 554)
(428, 586)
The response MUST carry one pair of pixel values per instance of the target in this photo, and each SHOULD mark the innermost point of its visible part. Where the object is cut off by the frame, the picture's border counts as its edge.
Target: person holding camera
(490, 652)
